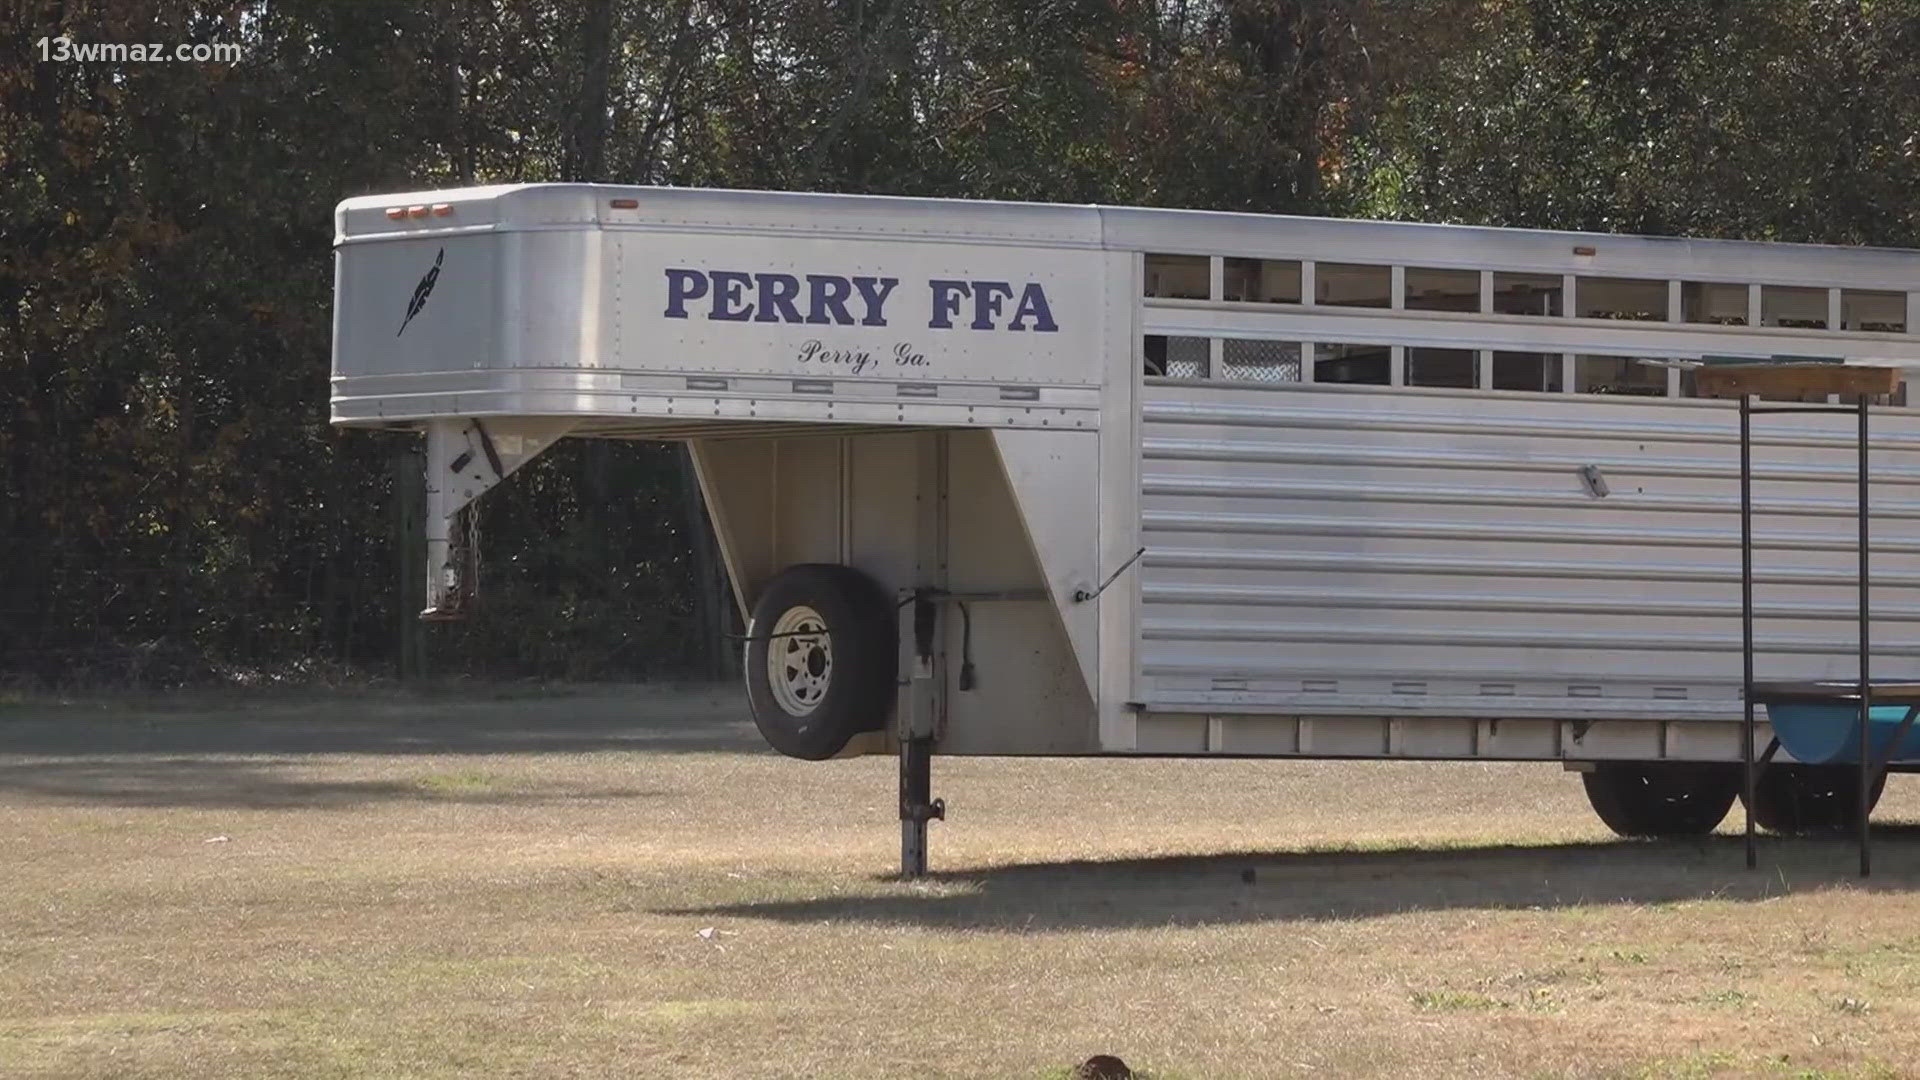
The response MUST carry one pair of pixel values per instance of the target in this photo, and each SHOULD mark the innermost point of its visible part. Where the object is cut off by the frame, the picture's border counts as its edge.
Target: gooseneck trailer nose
(996, 478)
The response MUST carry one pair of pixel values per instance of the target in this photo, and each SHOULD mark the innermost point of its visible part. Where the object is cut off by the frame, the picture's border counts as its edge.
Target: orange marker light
(442, 209)
(416, 211)
(625, 204)
(395, 213)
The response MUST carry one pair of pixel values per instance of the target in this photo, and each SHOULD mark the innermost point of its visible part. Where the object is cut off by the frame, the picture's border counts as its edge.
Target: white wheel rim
(799, 660)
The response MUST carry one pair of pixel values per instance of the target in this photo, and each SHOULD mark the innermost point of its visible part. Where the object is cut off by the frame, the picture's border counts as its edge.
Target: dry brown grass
(517, 885)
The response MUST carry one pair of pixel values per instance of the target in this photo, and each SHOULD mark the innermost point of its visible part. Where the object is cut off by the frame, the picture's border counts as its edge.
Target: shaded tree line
(174, 507)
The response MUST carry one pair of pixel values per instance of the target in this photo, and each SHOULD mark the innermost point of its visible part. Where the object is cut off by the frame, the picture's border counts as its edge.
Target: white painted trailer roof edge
(1148, 229)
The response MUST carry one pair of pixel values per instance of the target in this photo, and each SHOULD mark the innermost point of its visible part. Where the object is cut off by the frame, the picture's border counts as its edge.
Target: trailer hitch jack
(917, 805)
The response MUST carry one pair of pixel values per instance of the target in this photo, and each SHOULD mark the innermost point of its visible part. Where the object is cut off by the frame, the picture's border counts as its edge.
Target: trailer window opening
(1176, 357)
(1713, 302)
(1527, 371)
(1873, 311)
(1793, 306)
(1179, 277)
(1370, 365)
(1353, 285)
(1528, 294)
(1458, 369)
(1246, 360)
(1442, 290)
(1267, 281)
(1636, 299)
(1618, 375)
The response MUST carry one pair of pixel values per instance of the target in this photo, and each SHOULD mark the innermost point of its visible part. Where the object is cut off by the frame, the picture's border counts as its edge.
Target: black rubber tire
(1803, 800)
(861, 638)
(1662, 798)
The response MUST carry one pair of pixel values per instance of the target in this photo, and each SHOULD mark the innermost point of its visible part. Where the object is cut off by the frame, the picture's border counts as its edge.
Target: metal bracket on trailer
(455, 478)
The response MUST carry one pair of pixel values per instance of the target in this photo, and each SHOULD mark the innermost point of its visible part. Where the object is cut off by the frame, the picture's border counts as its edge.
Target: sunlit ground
(622, 881)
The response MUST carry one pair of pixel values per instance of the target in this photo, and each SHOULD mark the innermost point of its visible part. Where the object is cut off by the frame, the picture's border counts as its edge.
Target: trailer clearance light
(442, 209)
(625, 204)
(416, 211)
(395, 213)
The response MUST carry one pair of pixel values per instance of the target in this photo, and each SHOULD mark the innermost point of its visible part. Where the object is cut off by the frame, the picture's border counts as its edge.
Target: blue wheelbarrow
(1819, 722)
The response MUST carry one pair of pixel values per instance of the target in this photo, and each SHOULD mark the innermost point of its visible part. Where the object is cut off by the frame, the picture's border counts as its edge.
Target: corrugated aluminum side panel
(1341, 550)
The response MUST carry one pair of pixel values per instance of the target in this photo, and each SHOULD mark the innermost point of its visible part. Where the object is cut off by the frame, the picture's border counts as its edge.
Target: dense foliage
(173, 505)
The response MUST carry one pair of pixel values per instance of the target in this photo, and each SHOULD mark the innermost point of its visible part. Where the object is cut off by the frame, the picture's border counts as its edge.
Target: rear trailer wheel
(821, 659)
(1811, 799)
(1661, 798)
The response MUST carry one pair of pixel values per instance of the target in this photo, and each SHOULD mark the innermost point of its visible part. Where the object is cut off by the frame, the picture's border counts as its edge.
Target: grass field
(623, 882)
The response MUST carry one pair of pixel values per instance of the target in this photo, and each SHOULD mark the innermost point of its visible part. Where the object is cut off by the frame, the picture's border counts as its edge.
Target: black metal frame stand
(1862, 692)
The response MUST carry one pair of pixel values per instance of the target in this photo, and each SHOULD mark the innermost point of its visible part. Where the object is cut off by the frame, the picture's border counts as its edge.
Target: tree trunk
(587, 147)
(712, 657)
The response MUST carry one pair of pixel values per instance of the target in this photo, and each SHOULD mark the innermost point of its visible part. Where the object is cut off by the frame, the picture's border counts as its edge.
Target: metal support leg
(1874, 769)
(917, 805)
(1866, 782)
(1870, 778)
(917, 733)
(1755, 769)
(1750, 773)
(1866, 674)
(1881, 763)
(1747, 771)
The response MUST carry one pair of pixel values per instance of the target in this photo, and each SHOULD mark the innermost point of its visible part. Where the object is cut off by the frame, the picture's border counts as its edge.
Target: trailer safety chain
(1081, 596)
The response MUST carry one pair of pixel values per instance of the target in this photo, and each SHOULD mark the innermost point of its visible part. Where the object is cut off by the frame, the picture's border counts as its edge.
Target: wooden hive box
(1796, 381)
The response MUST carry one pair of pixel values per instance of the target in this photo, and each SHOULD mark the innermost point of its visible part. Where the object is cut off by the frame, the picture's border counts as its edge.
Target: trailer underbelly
(1438, 738)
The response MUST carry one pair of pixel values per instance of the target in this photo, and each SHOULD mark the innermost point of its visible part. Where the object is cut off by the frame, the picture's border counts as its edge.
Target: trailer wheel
(1661, 798)
(821, 659)
(1810, 799)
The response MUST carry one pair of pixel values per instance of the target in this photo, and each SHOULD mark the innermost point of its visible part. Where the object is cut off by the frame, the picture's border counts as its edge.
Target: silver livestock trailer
(1001, 478)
